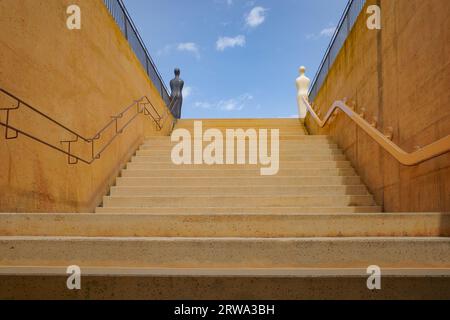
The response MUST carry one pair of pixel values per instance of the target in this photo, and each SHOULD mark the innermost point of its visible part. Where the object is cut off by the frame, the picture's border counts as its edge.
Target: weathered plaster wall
(78, 77)
(401, 75)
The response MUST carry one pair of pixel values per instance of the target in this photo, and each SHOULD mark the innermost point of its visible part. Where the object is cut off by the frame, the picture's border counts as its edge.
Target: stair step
(194, 172)
(234, 190)
(290, 153)
(225, 273)
(139, 163)
(151, 252)
(114, 283)
(244, 126)
(238, 181)
(264, 225)
(284, 137)
(301, 138)
(238, 201)
(238, 210)
(297, 157)
(235, 123)
(223, 128)
(284, 147)
(166, 143)
(284, 144)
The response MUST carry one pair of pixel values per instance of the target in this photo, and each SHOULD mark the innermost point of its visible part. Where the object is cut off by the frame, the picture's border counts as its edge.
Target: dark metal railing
(346, 23)
(123, 19)
(140, 106)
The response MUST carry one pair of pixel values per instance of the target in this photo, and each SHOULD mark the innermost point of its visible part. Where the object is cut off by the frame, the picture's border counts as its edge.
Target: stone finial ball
(302, 70)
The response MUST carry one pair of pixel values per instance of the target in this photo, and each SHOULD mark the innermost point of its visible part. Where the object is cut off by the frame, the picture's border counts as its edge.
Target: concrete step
(237, 210)
(114, 283)
(281, 131)
(166, 144)
(236, 123)
(296, 139)
(139, 163)
(233, 190)
(282, 153)
(238, 201)
(221, 172)
(284, 147)
(159, 252)
(283, 137)
(237, 181)
(285, 153)
(223, 128)
(244, 225)
(244, 126)
(298, 157)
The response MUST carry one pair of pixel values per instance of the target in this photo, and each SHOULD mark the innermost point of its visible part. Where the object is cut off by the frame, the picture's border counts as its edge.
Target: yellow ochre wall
(80, 78)
(400, 74)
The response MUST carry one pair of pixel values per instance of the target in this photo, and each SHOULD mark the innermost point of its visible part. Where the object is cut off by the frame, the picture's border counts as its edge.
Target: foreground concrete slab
(157, 252)
(247, 284)
(238, 224)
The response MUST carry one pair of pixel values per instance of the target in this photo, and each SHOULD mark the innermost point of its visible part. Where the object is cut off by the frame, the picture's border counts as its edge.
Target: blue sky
(238, 58)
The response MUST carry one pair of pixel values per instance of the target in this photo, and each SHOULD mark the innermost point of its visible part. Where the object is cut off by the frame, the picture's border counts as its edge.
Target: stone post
(302, 91)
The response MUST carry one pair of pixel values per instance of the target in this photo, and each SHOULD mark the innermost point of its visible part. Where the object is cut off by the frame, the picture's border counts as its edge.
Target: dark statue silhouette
(176, 86)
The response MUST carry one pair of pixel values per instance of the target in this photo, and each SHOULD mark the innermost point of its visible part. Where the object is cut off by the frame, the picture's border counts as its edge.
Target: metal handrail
(345, 25)
(143, 106)
(123, 19)
(422, 154)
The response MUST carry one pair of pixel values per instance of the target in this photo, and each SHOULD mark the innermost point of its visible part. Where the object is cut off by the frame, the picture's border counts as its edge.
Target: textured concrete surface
(316, 174)
(238, 181)
(159, 252)
(122, 283)
(257, 190)
(165, 232)
(230, 288)
(78, 77)
(237, 210)
(401, 75)
(238, 224)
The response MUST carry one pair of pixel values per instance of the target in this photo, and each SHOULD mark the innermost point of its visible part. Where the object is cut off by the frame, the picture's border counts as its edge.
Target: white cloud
(230, 105)
(189, 47)
(326, 32)
(256, 17)
(203, 105)
(227, 42)
(233, 104)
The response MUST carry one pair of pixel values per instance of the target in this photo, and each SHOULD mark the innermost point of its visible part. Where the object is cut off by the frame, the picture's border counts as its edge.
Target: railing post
(303, 83)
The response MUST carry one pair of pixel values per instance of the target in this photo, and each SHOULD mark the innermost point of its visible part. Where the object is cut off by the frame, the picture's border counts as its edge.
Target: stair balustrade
(142, 106)
(418, 156)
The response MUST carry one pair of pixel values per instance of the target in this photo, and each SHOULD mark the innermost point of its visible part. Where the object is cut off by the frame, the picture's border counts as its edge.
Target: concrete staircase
(225, 231)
